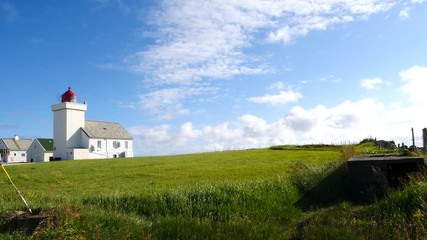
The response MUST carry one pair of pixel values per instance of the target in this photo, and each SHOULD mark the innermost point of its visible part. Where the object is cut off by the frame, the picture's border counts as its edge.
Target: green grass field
(287, 192)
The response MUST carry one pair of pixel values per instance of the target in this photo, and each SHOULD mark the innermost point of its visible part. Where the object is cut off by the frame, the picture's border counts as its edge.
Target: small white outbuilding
(14, 150)
(40, 150)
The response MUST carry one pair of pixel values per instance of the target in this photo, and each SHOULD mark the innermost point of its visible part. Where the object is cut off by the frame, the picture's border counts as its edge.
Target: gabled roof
(47, 143)
(17, 145)
(105, 130)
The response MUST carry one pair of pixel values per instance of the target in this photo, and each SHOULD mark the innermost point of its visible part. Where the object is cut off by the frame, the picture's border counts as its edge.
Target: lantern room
(69, 96)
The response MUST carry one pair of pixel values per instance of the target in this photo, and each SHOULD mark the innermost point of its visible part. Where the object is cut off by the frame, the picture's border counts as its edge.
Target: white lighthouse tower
(68, 118)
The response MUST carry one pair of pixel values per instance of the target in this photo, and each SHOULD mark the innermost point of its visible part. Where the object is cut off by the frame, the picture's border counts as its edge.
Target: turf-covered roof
(47, 143)
(105, 130)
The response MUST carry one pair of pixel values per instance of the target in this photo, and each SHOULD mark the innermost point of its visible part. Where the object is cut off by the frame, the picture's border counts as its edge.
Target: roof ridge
(20, 145)
(100, 121)
(37, 139)
(16, 143)
(19, 139)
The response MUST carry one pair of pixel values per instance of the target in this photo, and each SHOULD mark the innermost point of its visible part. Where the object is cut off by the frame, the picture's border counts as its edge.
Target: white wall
(80, 153)
(47, 156)
(17, 156)
(85, 141)
(37, 153)
(109, 149)
(68, 118)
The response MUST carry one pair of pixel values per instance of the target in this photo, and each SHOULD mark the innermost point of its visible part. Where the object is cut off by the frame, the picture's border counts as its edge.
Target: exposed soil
(27, 222)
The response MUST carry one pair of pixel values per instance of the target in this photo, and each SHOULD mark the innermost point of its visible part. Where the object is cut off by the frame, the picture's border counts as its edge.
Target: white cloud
(280, 98)
(414, 84)
(349, 121)
(370, 83)
(283, 97)
(307, 16)
(166, 103)
(346, 121)
(330, 78)
(301, 120)
(304, 25)
(249, 132)
(279, 85)
(200, 41)
(404, 13)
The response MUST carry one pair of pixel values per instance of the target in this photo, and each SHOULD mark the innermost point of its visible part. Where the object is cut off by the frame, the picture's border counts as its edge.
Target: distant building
(77, 138)
(40, 150)
(14, 150)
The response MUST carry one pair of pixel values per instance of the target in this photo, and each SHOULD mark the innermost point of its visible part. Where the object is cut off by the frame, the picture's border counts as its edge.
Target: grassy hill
(286, 192)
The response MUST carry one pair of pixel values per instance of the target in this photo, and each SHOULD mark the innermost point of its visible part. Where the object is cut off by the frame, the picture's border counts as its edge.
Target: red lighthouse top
(69, 96)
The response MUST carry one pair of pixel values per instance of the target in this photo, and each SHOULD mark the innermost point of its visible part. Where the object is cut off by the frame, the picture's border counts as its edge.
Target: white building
(13, 150)
(76, 138)
(40, 150)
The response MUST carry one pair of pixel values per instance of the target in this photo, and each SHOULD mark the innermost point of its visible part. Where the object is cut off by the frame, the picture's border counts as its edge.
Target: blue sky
(192, 76)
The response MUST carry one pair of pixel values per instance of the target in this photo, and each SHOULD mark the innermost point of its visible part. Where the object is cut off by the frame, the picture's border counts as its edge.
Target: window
(14, 154)
(22, 154)
(126, 145)
(116, 144)
(98, 144)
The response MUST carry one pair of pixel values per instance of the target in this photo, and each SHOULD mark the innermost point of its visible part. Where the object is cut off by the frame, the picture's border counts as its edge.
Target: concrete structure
(391, 145)
(382, 170)
(425, 139)
(76, 138)
(40, 150)
(13, 150)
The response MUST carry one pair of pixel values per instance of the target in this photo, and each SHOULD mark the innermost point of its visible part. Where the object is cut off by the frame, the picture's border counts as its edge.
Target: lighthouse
(68, 119)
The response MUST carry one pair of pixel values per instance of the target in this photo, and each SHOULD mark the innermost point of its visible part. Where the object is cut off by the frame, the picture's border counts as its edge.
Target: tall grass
(402, 214)
(253, 210)
(215, 195)
(255, 194)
